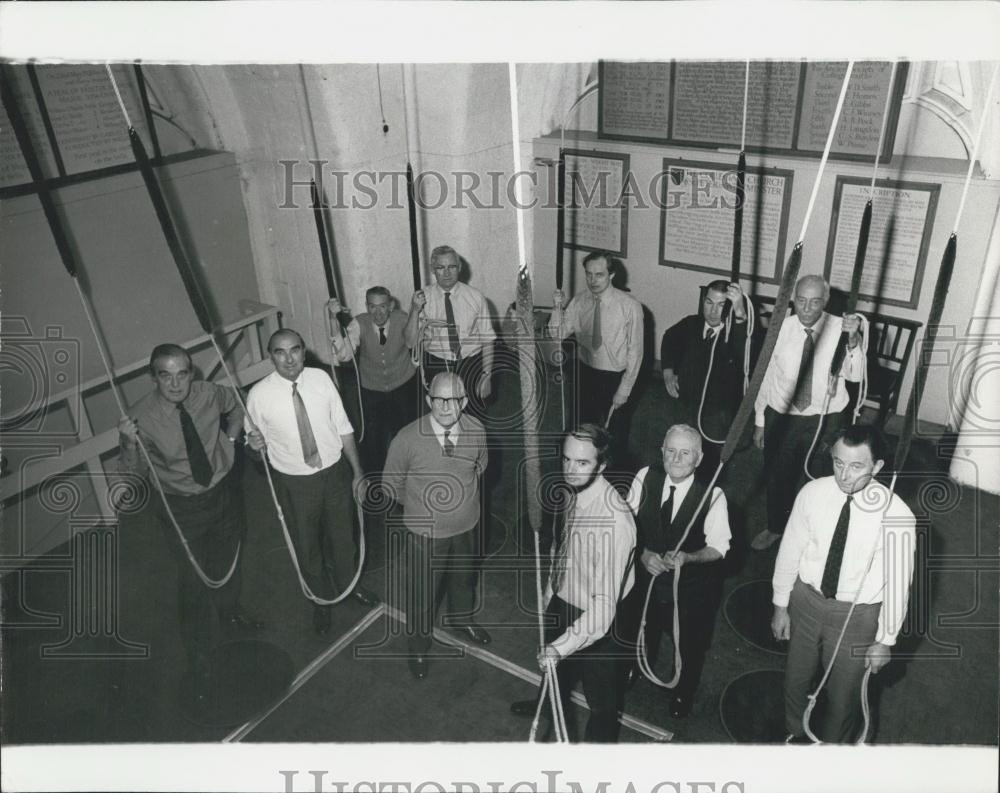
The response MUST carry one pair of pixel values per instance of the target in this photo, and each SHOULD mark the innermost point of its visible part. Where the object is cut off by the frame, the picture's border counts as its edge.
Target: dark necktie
(449, 447)
(309, 449)
(201, 468)
(596, 339)
(709, 335)
(562, 554)
(449, 315)
(381, 335)
(803, 390)
(667, 514)
(831, 573)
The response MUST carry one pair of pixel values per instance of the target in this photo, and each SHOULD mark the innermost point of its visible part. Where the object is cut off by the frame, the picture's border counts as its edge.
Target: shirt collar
(680, 487)
(453, 431)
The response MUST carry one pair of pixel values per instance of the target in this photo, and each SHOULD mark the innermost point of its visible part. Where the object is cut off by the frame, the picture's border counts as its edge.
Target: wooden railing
(257, 322)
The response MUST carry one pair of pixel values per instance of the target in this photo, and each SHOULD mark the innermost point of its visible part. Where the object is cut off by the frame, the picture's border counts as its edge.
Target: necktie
(449, 315)
(381, 335)
(596, 340)
(831, 573)
(803, 391)
(709, 334)
(667, 514)
(201, 468)
(449, 447)
(309, 449)
(562, 554)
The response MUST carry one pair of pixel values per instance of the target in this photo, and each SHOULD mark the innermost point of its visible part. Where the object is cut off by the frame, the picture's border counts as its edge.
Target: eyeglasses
(446, 402)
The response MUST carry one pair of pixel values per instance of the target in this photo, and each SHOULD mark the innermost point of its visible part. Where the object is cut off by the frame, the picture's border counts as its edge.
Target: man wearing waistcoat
(389, 393)
(664, 498)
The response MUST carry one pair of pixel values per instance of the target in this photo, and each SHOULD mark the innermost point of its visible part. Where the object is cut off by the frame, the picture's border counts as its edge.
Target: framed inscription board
(789, 105)
(698, 211)
(74, 121)
(596, 215)
(902, 219)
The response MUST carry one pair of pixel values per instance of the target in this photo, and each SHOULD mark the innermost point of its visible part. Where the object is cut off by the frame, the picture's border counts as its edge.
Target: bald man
(433, 470)
(792, 397)
(297, 417)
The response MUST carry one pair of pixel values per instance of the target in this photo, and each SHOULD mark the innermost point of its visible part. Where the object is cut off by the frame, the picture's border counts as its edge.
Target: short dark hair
(613, 264)
(167, 351)
(598, 437)
(863, 435)
(377, 290)
(718, 285)
(284, 332)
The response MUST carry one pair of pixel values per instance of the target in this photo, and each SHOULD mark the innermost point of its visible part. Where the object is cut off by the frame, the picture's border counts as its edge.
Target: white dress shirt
(621, 333)
(782, 374)
(600, 540)
(342, 352)
(717, 532)
(453, 431)
(272, 411)
(472, 319)
(806, 544)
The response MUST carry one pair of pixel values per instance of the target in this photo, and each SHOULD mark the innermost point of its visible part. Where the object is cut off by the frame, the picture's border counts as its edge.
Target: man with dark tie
(457, 330)
(664, 499)
(687, 349)
(607, 325)
(390, 397)
(297, 417)
(433, 471)
(790, 403)
(845, 543)
(189, 428)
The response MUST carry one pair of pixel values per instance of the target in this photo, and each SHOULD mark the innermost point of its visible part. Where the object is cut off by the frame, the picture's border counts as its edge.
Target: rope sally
(200, 307)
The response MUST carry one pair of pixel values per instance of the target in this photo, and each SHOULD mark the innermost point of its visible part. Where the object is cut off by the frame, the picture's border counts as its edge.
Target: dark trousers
(598, 667)
(430, 564)
(816, 622)
(213, 524)
(469, 369)
(386, 413)
(320, 513)
(594, 392)
(699, 603)
(786, 444)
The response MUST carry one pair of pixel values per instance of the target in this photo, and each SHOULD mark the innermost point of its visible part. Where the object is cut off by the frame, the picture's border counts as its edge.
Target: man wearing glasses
(433, 471)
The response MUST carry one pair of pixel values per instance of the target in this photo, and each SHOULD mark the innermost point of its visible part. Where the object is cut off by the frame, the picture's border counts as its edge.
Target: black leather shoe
(241, 620)
(365, 597)
(418, 666)
(680, 707)
(321, 619)
(474, 634)
(526, 708)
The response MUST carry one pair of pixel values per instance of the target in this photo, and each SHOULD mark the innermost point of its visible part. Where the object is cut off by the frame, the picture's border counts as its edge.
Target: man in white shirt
(792, 398)
(845, 542)
(665, 498)
(457, 329)
(607, 324)
(298, 419)
(591, 574)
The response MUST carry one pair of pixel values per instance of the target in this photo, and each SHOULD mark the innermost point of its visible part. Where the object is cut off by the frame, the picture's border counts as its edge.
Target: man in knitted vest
(433, 471)
(389, 393)
(665, 498)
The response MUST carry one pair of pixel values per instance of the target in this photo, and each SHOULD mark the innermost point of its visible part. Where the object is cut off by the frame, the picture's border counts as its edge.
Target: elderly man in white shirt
(457, 329)
(297, 417)
(845, 542)
(792, 398)
(665, 499)
(591, 575)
